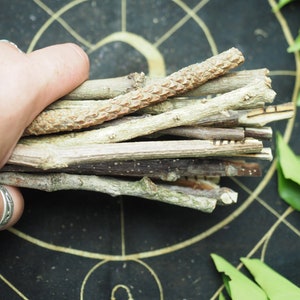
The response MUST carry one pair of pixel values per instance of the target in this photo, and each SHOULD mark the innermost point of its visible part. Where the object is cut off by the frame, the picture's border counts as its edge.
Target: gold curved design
(156, 63)
(100, 264)
(157, 68)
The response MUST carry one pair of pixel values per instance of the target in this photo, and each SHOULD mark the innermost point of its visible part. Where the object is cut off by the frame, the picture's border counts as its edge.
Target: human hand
(29, 83)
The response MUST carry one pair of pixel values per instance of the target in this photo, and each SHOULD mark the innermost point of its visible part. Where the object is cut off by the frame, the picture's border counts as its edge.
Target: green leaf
(296, 46)
(240, 286)
(281, 4)
(275, 285)
(288, 190)
(289, 162)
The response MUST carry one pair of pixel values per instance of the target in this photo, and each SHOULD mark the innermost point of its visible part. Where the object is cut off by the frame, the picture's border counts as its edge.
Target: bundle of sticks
(168, 139)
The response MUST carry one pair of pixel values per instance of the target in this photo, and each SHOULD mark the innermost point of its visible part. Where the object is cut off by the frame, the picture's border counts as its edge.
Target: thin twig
(211, 133)
(229, 82)
(223, 195)
(144, 188)
(164, 169)
(107, 88)
(186, 79)
(47, 156)
(189, 115)
(112, 87)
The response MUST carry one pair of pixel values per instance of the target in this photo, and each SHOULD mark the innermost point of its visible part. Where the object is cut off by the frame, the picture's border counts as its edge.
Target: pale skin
(29, 83)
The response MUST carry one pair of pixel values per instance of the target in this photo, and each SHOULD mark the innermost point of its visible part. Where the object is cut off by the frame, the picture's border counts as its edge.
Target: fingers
(10, 212)
(30, 82)
(57, 70)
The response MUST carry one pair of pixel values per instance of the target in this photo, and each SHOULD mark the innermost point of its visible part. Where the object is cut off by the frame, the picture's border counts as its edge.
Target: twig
(211, 133)
(164, 169)
(47, 156)
(144, 188)
(177, 83)
(188, 115)
(263, 116)
(107, 88)
(112, 87)
(206, 133)
(229, 82)
(223, 195)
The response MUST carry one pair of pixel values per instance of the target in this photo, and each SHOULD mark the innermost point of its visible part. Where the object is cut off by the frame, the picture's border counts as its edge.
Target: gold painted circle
(156, 64)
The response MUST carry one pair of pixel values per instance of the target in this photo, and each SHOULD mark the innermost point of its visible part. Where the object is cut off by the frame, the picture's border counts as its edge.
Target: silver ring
(8, 206)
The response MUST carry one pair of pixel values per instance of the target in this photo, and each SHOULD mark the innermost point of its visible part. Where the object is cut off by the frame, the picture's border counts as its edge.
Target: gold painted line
(158, 252)
(64, 24)
(179, 24)
(287, 223)
(290, 40)
(21, 295)
(267, 206)
(120, 286)
(62, 249)
(269, 234)
(101, 263)
(87, 276)
(122, 217)
(283, 73)
(201, 24)
(155, 276)
(156, 63)
(263, 241)
(123, 11)
(53, 18)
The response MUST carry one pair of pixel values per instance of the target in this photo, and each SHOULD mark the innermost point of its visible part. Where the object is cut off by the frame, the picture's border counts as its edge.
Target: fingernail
(11, 43)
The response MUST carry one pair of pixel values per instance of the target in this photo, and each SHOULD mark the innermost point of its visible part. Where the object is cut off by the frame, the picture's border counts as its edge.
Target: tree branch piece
(177, 83)
(107, 88)
(144, 188)
(47, 156)
(164, 169)
(189, 115)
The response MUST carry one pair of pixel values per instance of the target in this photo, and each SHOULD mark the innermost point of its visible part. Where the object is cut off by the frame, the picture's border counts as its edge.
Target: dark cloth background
(85, 245)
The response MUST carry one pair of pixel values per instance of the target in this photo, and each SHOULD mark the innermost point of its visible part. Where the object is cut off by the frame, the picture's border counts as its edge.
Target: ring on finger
(8, 206)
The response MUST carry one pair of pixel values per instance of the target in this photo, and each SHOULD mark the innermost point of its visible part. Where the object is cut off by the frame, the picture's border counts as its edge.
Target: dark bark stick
(164, 169)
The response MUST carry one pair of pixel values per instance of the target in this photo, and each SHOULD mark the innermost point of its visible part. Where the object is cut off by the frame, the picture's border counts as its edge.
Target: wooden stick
(263, 116)
(112, 87)
(263, 133)
(206, 133)
(223, 195)
(211, 133)
(164, 169)
(188, 115)
(177, 83)
(47, 156)
(229, 82)
(144, 188)
(107, 88)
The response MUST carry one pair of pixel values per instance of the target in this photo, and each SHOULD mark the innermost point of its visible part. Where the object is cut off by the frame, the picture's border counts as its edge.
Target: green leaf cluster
(267, 284)
(288, 174)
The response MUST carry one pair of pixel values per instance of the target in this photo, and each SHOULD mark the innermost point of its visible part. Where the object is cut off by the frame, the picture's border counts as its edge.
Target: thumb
(56, 70)
(30, 82)
(11, 206)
